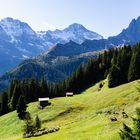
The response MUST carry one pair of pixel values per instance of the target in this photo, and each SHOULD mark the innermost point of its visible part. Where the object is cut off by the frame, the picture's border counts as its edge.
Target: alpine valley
(18, 41)
(73, 46)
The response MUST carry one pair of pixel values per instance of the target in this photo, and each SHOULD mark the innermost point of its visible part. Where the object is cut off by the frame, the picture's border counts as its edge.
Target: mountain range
(18, 41)
(64, 58)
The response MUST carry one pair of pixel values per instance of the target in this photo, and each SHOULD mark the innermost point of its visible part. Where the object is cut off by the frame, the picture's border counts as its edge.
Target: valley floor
(82, 117)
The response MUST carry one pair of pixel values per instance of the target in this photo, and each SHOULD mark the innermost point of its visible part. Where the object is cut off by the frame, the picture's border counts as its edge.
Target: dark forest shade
(116, 64)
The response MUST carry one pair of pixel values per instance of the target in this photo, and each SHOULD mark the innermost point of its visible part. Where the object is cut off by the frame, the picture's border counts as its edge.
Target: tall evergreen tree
(33, 89)
(136, 124)
(128, 133)
(37, 122)
(123, 62)
(44, 89)
(29, 125)
(114, 76)
(4, 104)
(134, 68)
(21, 108)
(16, 94)
(10, 91)
(114, 58)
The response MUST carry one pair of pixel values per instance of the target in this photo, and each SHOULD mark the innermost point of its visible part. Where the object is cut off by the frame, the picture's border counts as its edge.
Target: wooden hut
(43, 102)
(69, 94)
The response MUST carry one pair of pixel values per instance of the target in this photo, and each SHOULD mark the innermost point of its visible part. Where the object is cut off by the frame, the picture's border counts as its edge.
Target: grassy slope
(76, 116)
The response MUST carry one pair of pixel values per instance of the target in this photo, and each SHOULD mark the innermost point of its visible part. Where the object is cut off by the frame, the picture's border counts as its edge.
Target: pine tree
(138, 87)
(16, 94)
(114, 77)
(4, 104)
(128, 133)
(34, 86)
(44, 89)
(21, 108)
(37, 122)
(10, 92)
(29, 125)
(79, 81)
(123, 62)
(136, 124)
(114, 58)
(134, 68)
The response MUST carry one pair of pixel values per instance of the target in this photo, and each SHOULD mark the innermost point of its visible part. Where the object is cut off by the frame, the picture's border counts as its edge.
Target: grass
(77, 116)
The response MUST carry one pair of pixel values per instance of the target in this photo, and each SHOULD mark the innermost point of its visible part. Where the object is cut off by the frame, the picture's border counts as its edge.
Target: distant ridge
(63, 59)
(18, 41)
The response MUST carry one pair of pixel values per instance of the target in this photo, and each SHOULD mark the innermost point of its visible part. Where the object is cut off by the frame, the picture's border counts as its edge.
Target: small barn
(43, 102)
(69, 94)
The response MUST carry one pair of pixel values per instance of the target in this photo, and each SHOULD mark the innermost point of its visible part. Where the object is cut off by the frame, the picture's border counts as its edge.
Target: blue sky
(106, 17)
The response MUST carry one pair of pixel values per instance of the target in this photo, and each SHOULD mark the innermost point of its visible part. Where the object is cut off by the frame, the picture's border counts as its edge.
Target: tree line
(125, 65)
(120, 65)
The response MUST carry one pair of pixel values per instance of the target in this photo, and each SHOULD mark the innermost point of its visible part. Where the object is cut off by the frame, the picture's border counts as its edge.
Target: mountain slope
(18, 41)
(47, 66)
(26, 43)
(128, 36)
(80, 117)
(63, 59)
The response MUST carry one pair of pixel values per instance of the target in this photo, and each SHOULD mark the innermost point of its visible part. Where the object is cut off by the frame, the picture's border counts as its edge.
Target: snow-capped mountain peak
(19, 41)
(75, 32)
(75, 27)
(14, 27)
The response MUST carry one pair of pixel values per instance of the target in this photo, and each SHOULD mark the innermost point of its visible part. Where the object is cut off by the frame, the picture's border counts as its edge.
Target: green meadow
(82, 117)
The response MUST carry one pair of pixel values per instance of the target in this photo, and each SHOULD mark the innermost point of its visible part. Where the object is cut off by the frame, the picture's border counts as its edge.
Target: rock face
(18, 41)
(130, 35)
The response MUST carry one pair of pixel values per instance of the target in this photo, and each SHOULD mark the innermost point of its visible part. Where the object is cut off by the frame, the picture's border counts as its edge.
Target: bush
(41, 132)
(34, 129)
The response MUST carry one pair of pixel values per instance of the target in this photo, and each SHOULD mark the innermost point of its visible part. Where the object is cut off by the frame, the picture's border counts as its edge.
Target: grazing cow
(113, 119)
(124, 114)
(116, 113)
